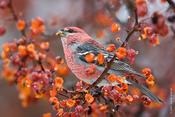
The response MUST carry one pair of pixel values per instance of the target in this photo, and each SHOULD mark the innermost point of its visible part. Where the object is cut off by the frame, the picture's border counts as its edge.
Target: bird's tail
(146, 91)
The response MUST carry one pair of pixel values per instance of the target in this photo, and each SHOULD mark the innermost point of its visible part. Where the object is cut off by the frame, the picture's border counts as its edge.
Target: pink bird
(77, 44)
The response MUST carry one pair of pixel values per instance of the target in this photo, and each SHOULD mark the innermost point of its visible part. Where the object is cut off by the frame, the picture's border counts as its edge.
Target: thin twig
(136, 25)
(41, 65)
(128, 37)
(136, 16)
(15, 16)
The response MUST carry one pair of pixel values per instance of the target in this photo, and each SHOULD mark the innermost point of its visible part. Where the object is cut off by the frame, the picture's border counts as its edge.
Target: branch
(136, 16)
(136, 25)
(41, 65)
(128, 37)
(15, 16)
(16, 19)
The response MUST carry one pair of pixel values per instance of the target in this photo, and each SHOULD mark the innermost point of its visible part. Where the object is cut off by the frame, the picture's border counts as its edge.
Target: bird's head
(71, 35)
(67, 31)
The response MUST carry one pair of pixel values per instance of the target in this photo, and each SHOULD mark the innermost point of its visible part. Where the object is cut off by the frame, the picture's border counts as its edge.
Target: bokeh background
(83, 13)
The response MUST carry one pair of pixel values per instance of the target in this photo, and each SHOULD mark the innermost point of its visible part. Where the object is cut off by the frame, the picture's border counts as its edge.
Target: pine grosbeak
(77, 44)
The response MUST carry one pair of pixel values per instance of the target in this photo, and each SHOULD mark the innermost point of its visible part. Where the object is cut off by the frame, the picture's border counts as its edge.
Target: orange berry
(148, 31)
(70, 103)
(121, 52)
(47, 115)
(53, 92)
(44, 45)
(150, 77)
(146, 71)
(37, 26)
(6, 48)
(124, 87)
(89, 98)
(150, 80)
(21, 25)
(129, 98)
(112, 78)
(90, 57)
(115, 27)
(22, 50)
(141, 7)
(110, 48)
(31, 48)
(62, 69)
(100, 59)
(59, 82)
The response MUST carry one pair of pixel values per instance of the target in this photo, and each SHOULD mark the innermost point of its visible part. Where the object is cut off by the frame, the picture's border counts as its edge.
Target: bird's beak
(60, 33)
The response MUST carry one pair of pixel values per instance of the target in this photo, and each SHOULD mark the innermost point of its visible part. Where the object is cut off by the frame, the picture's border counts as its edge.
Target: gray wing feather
(123, 67)
(146, 91)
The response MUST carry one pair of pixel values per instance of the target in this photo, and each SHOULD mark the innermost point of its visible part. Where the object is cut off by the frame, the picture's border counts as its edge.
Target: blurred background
(94, 17)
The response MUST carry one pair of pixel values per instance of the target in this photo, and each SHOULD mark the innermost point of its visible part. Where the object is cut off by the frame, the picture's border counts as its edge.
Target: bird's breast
(78, 67)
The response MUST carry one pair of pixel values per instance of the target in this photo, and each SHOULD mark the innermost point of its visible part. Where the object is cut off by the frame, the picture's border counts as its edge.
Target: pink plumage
(80, 70)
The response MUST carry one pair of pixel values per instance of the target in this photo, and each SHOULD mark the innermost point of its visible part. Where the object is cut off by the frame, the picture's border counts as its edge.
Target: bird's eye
(71, 31)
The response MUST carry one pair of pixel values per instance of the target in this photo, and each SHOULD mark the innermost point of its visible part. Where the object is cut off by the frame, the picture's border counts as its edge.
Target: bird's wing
(118, 67)
(125, 68)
